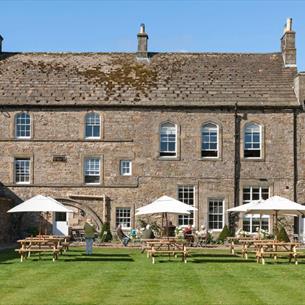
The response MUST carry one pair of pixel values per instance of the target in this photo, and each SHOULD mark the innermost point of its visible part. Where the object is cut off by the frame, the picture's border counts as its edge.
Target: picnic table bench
(275, 249)
(39, 245)
(246, 243)
(146, 243)
(168, 247)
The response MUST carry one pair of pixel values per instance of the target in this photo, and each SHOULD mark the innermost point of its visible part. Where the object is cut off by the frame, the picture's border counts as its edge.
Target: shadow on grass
(98, 259)
(167, 261)
(213, 255)
(107, 255)
(243, 261)
(7, 255)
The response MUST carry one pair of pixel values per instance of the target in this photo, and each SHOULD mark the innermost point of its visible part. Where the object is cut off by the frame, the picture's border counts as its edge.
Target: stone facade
(130, 130)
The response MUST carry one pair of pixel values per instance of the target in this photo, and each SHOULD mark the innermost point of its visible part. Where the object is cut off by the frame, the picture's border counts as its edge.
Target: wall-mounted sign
(59, 158)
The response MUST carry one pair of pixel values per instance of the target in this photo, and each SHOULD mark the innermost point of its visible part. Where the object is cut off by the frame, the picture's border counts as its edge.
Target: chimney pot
(142, 42)
(288, 45)
(142, 28)
(288, 25)
(1, 39)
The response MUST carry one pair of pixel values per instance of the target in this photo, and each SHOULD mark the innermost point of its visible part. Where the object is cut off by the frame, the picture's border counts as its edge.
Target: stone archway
(82, 206)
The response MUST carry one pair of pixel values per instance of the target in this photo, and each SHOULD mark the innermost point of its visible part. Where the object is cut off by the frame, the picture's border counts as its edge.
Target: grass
(125, 276)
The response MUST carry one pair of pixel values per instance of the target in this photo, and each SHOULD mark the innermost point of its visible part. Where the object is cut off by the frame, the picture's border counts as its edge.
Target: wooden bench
(275, 249)
(153, 253)
(24, 253)
(39, 245)
(260, 256)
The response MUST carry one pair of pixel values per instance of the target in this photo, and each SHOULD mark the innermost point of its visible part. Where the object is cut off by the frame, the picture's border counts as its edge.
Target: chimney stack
(142, 42)
(1, 39)
(288, 45)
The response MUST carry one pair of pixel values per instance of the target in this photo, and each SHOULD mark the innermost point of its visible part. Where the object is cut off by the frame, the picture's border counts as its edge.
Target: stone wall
(134, 135)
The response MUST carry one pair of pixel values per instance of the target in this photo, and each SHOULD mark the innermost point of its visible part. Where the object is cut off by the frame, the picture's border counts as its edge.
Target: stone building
(105, 133)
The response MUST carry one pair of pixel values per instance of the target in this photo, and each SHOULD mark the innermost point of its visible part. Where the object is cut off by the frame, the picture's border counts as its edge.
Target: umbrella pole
(260, 226)
(162, 224)
(276, 229)
(166, 219)
(40, 223)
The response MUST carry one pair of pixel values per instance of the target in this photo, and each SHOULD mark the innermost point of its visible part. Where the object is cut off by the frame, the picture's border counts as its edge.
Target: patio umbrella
(244, 208)
(166, 205)
(277, 206)
(40, 204)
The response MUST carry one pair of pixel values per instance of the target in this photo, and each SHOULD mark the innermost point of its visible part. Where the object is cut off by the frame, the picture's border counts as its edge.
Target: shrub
(282, 235)
(108, 235)
(224, 234)
(210, 239)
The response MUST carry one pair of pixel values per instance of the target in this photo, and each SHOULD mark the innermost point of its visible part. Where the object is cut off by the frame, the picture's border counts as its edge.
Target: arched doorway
(84, 211)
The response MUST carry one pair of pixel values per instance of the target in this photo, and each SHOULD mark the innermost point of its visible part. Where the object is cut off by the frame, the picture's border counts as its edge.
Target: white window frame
(190, 217)
(215, 126)
(88, 117)
(28, 175)
(174, 153)
(126, 165)
(29, 125)
(250, 125)
(91, 170)
(223, 214)
(255, 216)
(119, 218)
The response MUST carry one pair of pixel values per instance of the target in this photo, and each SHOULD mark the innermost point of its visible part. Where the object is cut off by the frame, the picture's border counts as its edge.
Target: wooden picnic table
(276, 248)
(146, 243)
(166, 247)
(64, 239)
(245, 243)
(35, 244)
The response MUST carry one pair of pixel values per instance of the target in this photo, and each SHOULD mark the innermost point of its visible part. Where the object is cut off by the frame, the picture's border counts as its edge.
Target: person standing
(90, 230)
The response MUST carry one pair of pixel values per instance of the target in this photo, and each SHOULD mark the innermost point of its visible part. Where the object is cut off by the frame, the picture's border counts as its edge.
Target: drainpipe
(295, 168)
(237, 120)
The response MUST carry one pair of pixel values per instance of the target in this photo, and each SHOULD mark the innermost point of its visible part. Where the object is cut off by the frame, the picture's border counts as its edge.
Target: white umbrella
(277, 205)
(40, 203)
(244, 208)
(165, 205)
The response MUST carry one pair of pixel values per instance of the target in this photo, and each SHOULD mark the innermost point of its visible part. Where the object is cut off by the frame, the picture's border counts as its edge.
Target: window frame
(223, 214)
(254, 216)
(123, 217)
(191, 217)
(92, 126)
(29, 170)
(175, 152)
(247, 125)
(17, 115)
(217, 143)
(122, 167)
(84, 170)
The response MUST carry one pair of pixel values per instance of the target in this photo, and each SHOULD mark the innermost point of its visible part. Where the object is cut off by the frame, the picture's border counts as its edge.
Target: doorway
(60, 223)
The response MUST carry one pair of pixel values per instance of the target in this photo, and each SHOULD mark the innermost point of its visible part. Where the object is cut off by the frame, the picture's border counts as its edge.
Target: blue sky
(193, 26)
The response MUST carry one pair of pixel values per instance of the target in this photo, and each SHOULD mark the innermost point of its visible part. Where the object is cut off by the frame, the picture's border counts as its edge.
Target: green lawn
(125, 276)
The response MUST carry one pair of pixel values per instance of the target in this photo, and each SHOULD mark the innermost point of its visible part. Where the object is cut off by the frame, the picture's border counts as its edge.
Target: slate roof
(191, 79)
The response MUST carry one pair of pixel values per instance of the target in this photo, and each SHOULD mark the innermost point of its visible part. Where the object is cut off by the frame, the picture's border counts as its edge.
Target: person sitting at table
(89, 229)
(202, 232)
(148, 233)
(187, 233)
(121, 235)
(171, 229)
